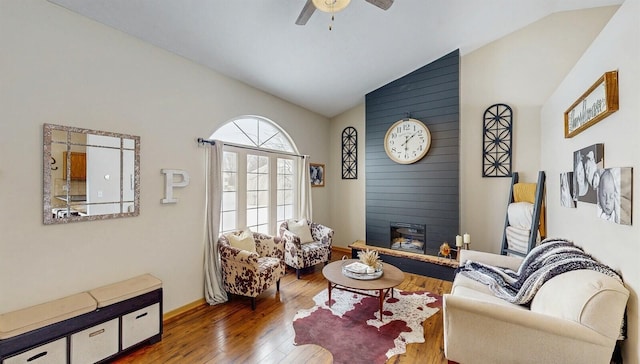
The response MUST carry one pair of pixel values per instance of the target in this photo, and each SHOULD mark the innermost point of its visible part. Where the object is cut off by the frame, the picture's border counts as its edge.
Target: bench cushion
(31, 318)
(120, 291)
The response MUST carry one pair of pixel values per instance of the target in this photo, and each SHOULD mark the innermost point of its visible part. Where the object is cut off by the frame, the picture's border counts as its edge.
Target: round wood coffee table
(391, 277)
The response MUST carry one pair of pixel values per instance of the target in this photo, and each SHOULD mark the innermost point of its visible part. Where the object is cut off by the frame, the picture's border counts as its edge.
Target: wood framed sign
(598, 102)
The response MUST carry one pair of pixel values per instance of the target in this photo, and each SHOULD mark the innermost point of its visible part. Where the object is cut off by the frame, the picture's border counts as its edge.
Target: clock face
(407, 141)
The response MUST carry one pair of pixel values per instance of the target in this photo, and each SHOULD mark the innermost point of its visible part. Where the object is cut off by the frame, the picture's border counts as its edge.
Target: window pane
(263, 215)
(280, 216)
(252, 217)
(252, 181)
(228, 201)
(285, 190)
(231, 133)
(278, 142)
(288, 197)
(263, 229)
(229, 181)
(263, 198)
(250, 127)
(287, 182)
(263, 166)
(229, 196)
(228, 221)
(263, 182)
(252, 199)
(229, 162)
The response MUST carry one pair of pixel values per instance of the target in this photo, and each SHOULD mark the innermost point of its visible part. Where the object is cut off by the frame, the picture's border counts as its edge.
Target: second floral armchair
(305, 243)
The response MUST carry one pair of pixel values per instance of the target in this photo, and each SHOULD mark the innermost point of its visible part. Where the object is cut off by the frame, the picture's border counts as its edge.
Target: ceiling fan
(333, 6)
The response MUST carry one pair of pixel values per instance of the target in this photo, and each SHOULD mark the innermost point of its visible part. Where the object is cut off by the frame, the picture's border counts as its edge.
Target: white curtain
(214, 291)
(304, 189)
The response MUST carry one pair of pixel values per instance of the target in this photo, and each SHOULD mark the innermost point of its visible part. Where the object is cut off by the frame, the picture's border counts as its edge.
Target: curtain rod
(213, 142)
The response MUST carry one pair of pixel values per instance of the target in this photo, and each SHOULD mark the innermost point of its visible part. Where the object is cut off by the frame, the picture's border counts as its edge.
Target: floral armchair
(249, 273)
(300, 253)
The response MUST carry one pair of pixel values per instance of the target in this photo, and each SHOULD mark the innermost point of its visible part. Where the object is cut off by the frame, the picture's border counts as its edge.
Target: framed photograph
(614, 195)
(598, 102)
(316, 174)
(566, 190)
(587, 164)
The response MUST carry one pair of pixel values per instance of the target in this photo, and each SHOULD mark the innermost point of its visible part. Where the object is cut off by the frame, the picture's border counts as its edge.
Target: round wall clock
(407, 141)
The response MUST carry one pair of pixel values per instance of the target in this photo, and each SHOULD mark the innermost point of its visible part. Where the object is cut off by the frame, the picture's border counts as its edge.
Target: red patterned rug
(351, 330)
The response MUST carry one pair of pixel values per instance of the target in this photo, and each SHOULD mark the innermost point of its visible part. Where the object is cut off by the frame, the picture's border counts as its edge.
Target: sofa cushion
(120, 291)
(464, 281)
(586, 297)
(466, 292)
(18, 322)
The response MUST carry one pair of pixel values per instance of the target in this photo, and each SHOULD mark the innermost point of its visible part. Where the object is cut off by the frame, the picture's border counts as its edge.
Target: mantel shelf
(361, 245)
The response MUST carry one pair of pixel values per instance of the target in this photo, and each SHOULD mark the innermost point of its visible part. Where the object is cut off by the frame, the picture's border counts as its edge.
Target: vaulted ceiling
(326, 71)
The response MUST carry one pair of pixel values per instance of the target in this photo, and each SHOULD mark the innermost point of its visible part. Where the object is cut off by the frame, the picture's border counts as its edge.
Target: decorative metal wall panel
(349, 153)
(497, 141)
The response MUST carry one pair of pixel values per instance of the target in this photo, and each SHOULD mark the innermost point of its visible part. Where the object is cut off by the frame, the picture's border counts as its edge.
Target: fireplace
(408, 237)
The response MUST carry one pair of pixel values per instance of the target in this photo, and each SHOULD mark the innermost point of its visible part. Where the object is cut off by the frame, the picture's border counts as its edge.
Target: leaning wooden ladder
(535, 221)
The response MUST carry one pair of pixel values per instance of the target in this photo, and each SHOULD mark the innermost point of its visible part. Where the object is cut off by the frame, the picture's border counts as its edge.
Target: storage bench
(87, 327)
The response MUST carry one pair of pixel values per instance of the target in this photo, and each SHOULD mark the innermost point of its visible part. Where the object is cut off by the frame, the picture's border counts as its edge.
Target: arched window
(259, 173)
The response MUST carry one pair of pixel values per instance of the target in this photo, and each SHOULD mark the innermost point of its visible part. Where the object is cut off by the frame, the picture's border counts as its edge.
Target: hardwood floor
(232, 333)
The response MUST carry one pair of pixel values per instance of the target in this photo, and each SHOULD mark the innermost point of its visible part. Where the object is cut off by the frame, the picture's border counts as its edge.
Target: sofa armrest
(483, 332)
(495, 260)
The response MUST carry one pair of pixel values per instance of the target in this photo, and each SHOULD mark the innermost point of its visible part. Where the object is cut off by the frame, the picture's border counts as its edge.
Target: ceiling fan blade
(382, 4)
(306, 13)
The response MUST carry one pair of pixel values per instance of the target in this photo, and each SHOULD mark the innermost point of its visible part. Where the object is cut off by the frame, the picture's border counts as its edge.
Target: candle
(467, 238)
(458, 240)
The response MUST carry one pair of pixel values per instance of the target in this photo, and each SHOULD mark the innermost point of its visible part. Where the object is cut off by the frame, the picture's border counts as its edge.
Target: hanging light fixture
(331, 7)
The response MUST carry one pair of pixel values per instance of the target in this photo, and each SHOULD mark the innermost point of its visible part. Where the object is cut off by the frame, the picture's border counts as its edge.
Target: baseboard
(174, 314)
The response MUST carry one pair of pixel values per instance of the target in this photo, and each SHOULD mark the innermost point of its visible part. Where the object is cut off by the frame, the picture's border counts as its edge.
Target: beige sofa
(574, 317)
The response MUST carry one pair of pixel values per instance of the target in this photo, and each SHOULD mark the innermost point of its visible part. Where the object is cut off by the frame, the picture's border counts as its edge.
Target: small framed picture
(566, 190)
(587, 164)
(316, 174)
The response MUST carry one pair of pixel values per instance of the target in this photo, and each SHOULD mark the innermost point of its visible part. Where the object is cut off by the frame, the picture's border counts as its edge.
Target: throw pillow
(301, 229)
(242, 240)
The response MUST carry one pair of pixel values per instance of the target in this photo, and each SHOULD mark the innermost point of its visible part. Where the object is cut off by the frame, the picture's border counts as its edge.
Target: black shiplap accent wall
(426, 192)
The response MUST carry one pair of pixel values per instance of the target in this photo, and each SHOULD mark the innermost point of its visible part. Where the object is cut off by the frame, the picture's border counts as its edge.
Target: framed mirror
(89, 175)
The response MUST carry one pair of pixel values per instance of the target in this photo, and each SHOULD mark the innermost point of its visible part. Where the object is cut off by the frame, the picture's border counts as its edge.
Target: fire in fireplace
(408, 237)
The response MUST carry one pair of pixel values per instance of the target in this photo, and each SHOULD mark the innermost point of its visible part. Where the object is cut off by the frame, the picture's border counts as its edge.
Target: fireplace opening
(408, 237)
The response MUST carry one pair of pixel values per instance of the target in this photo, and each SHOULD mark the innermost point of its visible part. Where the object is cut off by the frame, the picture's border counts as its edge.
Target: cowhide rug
(352, 331)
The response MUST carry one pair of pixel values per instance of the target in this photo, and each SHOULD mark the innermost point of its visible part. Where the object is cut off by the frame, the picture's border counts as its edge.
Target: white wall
(615, 48)
(59, 67)
(348, 195)
(520, 70)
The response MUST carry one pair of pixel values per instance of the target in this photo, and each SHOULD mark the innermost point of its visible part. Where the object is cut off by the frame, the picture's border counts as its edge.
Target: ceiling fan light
(331, 6)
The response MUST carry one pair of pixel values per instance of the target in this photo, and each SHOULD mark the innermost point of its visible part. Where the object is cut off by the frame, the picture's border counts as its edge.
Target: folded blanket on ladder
(517, 239)
(549, 259)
